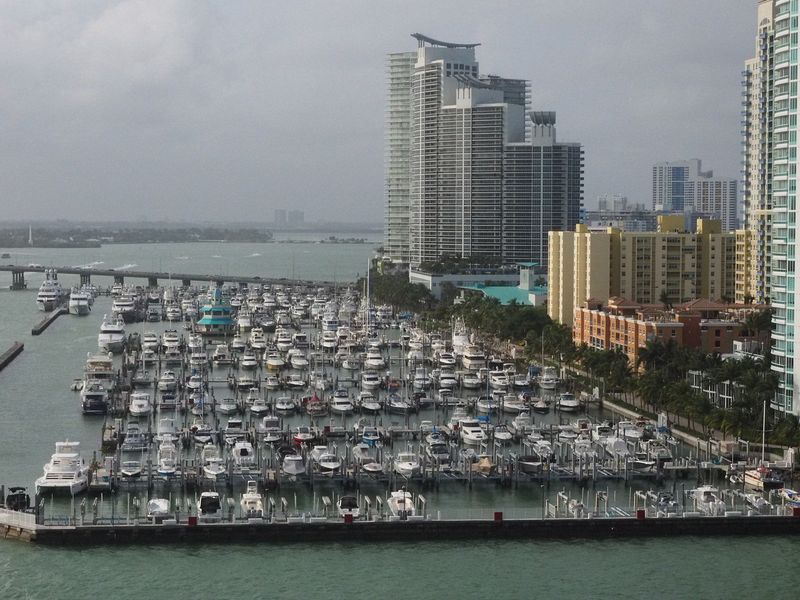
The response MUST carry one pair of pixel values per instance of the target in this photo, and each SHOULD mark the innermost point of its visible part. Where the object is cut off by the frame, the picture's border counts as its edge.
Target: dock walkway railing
(14, 518)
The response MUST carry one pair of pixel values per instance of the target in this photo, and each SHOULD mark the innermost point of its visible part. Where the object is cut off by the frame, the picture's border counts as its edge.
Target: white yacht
(124, 307)
(112, 336)
(140, 405)
(213, 465)
(407, 464)
(473, 358)
(50, 292)
(548, 379)
(568, 402)
(66, 471)
(471, 432)
(79, 303)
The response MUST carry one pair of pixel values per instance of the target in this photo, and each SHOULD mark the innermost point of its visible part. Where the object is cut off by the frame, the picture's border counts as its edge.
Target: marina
(279, 403)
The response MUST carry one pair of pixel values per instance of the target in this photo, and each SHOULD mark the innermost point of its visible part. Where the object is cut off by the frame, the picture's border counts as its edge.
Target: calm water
(37, 408)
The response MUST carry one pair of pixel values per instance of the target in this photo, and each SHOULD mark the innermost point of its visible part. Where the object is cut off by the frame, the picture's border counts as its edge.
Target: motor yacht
(407, 464)
(548, 379)
(167, 459)
(248, 360)
(471, 432)
(112, 335)
(568, 403)
(213, 465)
(140, 404)
(293, 465)
(473, 358)
(228, 406)
(168, 382)
(50, 292)
(273, 360)
(79, 303)
(94, 397)
(66, 471)
(370, 380)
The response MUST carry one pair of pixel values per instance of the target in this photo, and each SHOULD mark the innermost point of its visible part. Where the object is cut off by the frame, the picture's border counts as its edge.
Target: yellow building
(645, 267)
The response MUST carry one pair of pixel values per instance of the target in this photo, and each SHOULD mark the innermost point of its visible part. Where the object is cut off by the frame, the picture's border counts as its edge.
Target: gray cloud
(175, 108)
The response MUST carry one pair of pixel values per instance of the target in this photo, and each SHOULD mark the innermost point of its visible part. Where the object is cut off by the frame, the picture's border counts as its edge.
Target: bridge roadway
(152, 277)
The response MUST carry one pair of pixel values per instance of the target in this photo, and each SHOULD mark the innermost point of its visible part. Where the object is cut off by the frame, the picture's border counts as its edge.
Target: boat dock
(9, 355)
(39, 328)
(279, 525)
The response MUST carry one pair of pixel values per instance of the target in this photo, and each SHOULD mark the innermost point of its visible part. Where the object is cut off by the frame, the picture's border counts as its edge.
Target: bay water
(37, 408)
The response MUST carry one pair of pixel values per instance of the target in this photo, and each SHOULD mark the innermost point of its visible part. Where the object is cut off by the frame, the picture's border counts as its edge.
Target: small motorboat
(228, 406)
(209, 507)
(348, 506)
(401, 504)
(285, 404)
(158, 509)
(251, 503)
(293, 465)
(130, 469)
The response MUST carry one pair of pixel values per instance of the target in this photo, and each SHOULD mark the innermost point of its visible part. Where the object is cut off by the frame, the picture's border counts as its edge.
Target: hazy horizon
(182, 110)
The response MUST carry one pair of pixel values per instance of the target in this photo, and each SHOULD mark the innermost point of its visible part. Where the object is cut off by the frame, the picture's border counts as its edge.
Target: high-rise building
(471, 172)
(682, 187)
(770, 180)
(399, 70)
(642, 267)
(280, 217)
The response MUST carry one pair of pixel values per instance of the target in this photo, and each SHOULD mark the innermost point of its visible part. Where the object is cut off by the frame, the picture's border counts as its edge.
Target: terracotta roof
(702, 304)
(619, 301)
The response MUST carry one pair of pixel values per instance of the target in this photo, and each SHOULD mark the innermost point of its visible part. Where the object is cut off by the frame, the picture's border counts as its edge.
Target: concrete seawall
(416, 531)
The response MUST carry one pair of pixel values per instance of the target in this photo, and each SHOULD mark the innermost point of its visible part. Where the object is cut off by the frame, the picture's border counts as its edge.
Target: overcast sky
(186, 109)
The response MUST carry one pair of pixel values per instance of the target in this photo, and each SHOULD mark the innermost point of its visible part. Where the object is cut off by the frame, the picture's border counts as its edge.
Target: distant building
(615, 203)
(640, 266)
(682, 187)
(295, 218)
(280, 217)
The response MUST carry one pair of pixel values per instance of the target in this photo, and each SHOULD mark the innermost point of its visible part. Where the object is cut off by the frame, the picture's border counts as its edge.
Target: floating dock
(48, 320)
(9, 355)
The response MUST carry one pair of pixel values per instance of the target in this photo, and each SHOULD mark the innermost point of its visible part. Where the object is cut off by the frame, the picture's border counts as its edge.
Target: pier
(39, 328)
(153, 277)
(9, 355)
(282, 528)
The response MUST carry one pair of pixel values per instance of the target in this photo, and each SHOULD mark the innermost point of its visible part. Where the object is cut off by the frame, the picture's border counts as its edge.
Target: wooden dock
(48, 320)
(9, 355)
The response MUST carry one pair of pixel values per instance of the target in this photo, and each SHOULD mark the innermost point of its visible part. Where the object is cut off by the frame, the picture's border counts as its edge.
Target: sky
(184, 109)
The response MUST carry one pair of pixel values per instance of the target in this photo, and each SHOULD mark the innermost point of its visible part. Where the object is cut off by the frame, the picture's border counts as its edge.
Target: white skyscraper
(485, 178)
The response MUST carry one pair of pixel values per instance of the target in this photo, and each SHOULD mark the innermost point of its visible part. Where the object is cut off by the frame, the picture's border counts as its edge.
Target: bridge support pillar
(152, 282)
(18, 280)
(120, 279)
(86, 279)
(187, 283)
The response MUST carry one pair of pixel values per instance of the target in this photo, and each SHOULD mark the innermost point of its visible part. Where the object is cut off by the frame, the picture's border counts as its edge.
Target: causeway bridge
(153, 277)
